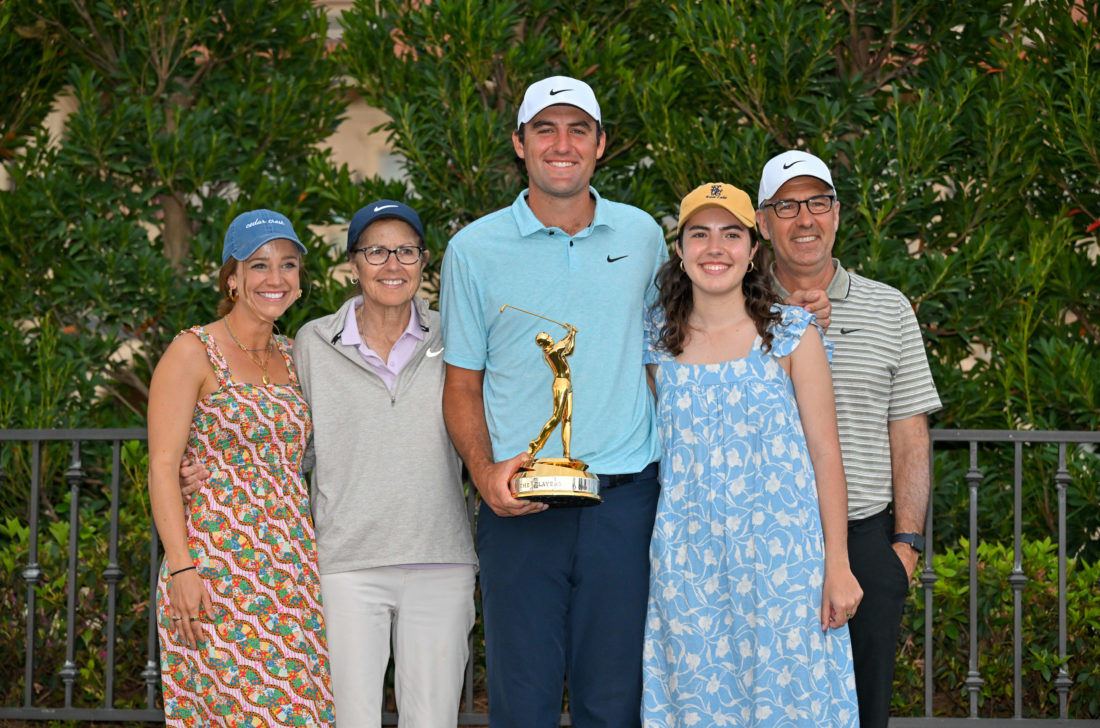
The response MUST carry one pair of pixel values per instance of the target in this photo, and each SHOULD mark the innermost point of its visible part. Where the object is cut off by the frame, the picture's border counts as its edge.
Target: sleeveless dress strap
(221, 368)
(285, 345)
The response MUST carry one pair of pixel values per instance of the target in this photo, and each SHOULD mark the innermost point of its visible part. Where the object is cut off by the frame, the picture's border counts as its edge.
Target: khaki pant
(427, 613)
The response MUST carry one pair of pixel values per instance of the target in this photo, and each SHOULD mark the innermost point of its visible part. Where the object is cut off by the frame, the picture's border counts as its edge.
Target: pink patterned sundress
(264, 662)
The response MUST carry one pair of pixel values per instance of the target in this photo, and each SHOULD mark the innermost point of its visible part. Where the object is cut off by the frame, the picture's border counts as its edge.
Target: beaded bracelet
(180, 571)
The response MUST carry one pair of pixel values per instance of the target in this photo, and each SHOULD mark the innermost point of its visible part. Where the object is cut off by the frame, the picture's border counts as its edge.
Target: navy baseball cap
(251, 229)
(380, 210)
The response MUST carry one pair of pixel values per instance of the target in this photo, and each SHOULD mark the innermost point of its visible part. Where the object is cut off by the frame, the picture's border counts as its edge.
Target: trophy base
(557, 482)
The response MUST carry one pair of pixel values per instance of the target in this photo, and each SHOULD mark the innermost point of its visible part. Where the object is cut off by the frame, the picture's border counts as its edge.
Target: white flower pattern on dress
(732, 631)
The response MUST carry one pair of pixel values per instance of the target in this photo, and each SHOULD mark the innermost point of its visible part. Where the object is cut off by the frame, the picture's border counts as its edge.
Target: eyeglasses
(377, 255)
(817, 205)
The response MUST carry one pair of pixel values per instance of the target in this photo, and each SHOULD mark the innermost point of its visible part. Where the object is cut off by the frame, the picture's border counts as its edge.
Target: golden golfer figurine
(555, 355)
(563, 481)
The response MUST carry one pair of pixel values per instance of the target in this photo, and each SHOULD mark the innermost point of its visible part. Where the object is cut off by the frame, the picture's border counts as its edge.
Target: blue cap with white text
(251, 229)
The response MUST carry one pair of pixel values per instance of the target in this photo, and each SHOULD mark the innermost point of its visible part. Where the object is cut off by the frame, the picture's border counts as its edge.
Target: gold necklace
(248, 352)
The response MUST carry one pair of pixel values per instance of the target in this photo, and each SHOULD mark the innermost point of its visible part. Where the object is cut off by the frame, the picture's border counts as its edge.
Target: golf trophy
(563, 481)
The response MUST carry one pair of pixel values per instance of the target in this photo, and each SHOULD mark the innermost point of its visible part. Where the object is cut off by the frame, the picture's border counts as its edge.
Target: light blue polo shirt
(599, 280)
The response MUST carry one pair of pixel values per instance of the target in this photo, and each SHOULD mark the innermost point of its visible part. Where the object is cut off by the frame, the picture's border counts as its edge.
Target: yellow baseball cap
(718, 194)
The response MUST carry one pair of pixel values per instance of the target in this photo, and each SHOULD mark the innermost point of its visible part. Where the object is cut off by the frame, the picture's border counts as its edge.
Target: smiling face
(716, 249)
(392, 284)
(803, 245)
(560, 147)
(269, 281)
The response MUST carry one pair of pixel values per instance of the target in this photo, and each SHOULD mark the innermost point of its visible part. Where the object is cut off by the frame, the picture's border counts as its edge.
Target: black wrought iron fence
(1004, 483)
(33, 576)
(69, 666)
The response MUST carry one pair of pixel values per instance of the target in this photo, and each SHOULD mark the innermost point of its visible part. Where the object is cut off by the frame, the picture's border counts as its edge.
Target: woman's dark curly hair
(675, 297)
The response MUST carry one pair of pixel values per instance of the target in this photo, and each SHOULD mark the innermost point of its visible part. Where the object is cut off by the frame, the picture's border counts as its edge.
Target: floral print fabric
(251, 538)
(733, 633)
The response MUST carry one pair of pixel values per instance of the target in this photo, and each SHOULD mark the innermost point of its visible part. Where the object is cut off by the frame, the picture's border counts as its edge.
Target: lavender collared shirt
(400, 354)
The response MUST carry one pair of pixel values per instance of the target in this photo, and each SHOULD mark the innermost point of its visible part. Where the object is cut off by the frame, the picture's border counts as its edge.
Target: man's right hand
(493, 483)
(816, 302)
(191, 478)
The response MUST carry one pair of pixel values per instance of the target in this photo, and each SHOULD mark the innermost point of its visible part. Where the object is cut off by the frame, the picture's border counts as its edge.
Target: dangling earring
(751, 268)
(233, 294)
(682, 265)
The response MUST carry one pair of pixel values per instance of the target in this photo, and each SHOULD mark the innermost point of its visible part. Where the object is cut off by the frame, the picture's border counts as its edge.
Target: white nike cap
(557, 90)
(786, 166)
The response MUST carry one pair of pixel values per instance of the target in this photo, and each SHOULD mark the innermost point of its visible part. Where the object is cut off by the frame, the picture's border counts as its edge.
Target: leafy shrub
(1039, 498)
(951, 632)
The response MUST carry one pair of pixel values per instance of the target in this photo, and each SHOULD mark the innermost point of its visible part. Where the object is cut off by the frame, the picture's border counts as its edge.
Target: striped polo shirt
(880, 374)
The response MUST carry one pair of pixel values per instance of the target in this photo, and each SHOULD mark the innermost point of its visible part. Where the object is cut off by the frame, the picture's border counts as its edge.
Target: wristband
(180, 571)
(915, 540)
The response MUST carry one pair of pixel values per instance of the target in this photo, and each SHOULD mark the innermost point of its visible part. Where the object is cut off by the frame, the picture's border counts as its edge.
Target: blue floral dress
(733, 634)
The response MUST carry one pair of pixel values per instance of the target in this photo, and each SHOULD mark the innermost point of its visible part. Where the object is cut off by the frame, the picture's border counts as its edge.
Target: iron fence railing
(76, 476)
(974, 476)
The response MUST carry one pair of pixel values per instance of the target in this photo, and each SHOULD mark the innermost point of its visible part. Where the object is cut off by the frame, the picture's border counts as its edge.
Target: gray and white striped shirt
(880, 374)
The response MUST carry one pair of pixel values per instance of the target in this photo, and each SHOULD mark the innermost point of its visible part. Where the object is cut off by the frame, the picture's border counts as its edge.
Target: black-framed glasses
(377, 255)
(817, 205)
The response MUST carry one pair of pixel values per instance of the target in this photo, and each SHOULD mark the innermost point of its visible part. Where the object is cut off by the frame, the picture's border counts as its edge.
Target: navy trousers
(563, 597)
(875, 627)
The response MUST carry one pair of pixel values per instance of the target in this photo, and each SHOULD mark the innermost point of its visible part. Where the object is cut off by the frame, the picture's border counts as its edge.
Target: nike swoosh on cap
(791, 164)
(848, 331)
(382, 207)
(555, 92)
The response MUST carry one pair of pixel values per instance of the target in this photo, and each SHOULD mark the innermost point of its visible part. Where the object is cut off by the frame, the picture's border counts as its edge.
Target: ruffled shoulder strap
(221, 368)
(654, 320)
(788, 332)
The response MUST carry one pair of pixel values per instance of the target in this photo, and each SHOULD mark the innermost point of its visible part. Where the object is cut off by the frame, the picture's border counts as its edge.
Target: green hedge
(951, 634)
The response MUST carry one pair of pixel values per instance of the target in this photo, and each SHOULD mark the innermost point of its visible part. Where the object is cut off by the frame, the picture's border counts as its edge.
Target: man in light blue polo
(563, 590)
